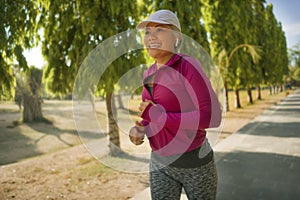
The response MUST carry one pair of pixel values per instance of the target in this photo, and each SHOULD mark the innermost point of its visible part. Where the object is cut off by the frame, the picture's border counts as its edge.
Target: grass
(20, 140)
(87, 171)
(76, 174)
(244, 97)
(93, 169)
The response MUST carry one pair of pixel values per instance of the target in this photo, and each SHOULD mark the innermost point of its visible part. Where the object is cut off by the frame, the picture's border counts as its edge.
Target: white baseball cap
(161, 17)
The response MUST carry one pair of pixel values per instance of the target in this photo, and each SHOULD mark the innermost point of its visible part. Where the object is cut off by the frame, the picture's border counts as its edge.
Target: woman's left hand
(137, 134)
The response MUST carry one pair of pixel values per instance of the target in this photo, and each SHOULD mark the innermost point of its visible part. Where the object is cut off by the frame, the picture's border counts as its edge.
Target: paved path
(261, 160)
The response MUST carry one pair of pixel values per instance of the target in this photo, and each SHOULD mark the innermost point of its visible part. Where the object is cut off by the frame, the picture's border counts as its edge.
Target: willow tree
(29, 85)
(18, 31)
(71, 30)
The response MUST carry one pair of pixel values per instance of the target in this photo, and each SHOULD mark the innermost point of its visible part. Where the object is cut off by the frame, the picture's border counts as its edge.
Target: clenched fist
(137, 134)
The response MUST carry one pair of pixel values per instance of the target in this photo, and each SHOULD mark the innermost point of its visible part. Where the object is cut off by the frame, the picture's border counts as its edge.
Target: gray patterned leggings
(199, 183)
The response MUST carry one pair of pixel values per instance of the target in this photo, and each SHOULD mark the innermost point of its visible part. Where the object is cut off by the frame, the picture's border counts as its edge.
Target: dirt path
(70, 172)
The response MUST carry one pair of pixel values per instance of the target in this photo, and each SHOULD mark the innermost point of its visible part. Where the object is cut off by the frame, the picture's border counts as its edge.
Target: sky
(286, 11)
(34, 57)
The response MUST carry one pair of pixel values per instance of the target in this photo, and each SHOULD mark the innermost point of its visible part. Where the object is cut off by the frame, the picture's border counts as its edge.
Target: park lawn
(265, 93)
(71, 172)
(19, 141)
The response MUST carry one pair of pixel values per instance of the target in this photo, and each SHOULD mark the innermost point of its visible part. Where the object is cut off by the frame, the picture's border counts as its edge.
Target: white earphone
(176, 42)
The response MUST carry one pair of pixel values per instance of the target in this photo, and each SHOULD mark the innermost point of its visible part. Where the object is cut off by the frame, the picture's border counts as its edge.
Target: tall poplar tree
(275, 61)
(228, 25)
(258, 30)
(232, 23)
(244, 74)
(283, 63)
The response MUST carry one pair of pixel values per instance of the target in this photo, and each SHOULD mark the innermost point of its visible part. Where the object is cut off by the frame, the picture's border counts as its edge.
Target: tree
(29, 84)
(230, 23)
(283, 52)
(275, 60)
(227, 31)
(258, 30)
(224, 61)
(72, 29)
(18, 31)
(296, 75)
(294, 54)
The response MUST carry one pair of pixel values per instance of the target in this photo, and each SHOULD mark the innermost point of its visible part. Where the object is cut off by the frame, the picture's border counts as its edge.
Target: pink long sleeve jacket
(185, 105)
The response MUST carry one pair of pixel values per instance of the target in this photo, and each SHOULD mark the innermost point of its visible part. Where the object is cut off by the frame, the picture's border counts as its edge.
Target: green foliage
(231, 23)
(78, 27)
(294, 54)
(73, 28)
(17, 31)
(296, 75)
(29, 81)
(275, 60)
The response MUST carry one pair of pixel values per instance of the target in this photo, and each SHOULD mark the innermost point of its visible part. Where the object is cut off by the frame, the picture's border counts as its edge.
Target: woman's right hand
(137, 134)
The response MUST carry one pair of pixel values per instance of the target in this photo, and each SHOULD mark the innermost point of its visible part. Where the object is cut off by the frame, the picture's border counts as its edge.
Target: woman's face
(159, 40)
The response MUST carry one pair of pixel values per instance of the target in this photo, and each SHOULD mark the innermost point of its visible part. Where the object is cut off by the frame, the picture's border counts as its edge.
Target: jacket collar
(170, 63)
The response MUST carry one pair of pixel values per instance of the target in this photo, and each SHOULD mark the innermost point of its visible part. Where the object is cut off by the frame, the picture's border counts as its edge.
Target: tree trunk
(249, 92)
(113, 130)
(120, 102)
(274, 89)
(32, 108)
(92, 99)
(270, 89)
(226, 96)
(281, 88)
(237, 99)
(258, 92)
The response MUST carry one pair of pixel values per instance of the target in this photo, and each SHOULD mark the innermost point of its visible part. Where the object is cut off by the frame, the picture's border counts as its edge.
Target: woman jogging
(178, 104)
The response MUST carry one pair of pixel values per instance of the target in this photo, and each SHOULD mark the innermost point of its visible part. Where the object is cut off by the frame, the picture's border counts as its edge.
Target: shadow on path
(261, 160)
(284, 129)
(17, 142)
(256, 176)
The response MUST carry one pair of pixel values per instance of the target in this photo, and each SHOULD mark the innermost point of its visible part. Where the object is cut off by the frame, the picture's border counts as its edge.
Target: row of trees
(244, 38)
(294, 78)
(249, 22)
